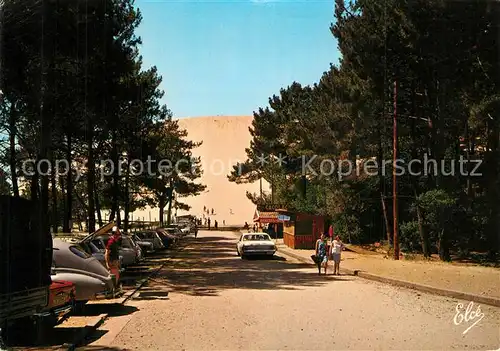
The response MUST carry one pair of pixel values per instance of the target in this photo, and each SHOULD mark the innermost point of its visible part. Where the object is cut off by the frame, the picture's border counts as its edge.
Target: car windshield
(127, 243)
(256, 237)
(79, 251)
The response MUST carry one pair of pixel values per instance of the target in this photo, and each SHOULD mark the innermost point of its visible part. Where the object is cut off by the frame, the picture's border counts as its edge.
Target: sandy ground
(209, 299)
(473, 279)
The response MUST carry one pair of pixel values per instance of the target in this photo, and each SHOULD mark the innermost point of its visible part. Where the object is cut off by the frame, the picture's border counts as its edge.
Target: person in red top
(112, 254)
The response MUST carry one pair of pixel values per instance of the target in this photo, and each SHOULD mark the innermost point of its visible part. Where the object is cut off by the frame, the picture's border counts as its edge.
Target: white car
(255, 244)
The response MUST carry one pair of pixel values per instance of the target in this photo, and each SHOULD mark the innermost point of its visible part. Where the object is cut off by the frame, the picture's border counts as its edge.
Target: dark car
(146, 246)
(167, 239)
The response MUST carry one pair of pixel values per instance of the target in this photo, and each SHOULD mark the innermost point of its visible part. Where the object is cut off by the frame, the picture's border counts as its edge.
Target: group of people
(207, 210)
(328, 251)
(216, 224)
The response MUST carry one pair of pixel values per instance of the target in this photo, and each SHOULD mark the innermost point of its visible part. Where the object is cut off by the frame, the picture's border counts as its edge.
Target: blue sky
(228, 57)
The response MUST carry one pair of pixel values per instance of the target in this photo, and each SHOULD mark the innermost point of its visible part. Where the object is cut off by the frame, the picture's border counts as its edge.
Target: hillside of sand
(224, 142)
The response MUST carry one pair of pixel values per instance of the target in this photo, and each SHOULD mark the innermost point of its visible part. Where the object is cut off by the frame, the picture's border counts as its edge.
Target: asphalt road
(208, 298)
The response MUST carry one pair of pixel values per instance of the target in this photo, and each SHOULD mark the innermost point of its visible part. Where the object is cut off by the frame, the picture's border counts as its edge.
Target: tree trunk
(386, 219)
(90, 180)
(493, 232)
(161, 205)
(444, 248)
(114, 159)
(127, 197)
(98, 207)
(67, 225)
(118, 217)
(55, 212)
(170, 197)
(381, 176)
(63, 194)
(12, 147)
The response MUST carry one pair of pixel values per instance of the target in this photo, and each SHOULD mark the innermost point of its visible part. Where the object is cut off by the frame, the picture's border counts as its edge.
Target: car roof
(60, 244)
(252, 234)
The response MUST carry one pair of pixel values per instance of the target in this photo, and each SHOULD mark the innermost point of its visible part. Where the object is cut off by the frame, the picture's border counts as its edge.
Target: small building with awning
(266, 217)
(270, 221)
(301, 230)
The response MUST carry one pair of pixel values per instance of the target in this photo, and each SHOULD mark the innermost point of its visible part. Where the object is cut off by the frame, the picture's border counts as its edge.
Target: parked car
(173, 233)
(127, 251)
(174, 230)
(146, 246)
(92, 280)
(61, 302)
(255, 244)
(152, 237)
(129, 244)
(167, 239)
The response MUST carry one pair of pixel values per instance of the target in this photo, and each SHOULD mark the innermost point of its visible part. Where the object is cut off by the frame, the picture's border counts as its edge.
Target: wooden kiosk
(303, 229)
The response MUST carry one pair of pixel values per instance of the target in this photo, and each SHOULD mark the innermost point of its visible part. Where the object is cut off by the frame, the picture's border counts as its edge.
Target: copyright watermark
(136, 167)
(317, 166)
(314, 166)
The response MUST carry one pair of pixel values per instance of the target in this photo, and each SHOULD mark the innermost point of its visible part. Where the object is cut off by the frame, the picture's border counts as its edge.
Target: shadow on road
(112, 309)
(100, 348)
(210, 264)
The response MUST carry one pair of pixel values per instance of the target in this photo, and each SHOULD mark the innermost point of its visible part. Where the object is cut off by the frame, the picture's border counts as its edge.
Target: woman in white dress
(336, 250)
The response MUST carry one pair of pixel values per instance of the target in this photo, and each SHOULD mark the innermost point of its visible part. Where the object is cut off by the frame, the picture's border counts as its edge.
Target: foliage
(439, 61)
(78, 91)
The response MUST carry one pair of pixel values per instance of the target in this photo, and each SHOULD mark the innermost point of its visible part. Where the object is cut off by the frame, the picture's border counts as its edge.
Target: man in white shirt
(336, 250)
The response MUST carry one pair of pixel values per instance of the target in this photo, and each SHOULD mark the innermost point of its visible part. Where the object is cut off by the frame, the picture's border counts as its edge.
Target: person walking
(195, 231)
(216, 225)
(321, 253)
(208, 223)
(336, 250)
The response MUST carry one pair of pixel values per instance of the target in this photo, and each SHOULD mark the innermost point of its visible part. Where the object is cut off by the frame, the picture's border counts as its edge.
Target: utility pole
(394, 176)
(260, 181)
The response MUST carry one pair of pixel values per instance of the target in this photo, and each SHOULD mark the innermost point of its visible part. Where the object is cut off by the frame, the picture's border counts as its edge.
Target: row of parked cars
(79, 272)
(43, 277)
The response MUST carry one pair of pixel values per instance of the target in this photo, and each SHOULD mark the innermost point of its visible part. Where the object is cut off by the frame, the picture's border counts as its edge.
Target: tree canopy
(75, 89)
(439, 61)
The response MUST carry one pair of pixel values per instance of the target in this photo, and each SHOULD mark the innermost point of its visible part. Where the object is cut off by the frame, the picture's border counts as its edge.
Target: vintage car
(92, 280)
(129, 243)
(174, 232)
(152, 237)
(61, 302)
(255, 244)
(146, 246)
(167, 238)
(128, 251)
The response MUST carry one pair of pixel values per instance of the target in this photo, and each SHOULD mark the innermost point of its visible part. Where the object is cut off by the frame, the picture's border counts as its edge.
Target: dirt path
(209, 299)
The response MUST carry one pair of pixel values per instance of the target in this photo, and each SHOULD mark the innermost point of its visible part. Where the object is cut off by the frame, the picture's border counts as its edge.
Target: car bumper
(58, 313)
(109, 294)
(259, 252)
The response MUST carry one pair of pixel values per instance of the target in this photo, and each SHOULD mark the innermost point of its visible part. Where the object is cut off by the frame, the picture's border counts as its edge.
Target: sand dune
(224, 142)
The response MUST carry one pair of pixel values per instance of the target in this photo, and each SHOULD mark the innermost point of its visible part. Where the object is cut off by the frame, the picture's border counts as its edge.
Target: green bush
(410, 237)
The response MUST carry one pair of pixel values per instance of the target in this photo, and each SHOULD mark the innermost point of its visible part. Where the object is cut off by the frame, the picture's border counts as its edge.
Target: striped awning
(266, 217)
